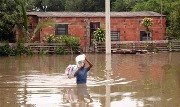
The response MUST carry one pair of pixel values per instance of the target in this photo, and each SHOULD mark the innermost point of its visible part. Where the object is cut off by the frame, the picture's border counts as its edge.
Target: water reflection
(115, 81)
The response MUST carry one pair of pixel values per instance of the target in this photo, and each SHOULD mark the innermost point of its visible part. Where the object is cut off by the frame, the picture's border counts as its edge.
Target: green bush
(21, 49)
(99, 35)
(71, 42)
(6, 50)
(60, 50)
(50, 38)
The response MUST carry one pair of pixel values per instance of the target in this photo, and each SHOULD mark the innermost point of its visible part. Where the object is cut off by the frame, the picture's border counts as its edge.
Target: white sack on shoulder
(70, 70)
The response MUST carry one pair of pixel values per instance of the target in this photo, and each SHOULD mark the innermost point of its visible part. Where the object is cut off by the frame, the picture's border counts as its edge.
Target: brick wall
(129, 27)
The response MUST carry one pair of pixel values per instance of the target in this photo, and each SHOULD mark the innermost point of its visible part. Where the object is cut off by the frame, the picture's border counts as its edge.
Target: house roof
(94, 14)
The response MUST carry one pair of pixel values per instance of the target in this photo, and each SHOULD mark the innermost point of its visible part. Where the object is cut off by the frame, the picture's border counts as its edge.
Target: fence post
(170, 46)
(133, 46)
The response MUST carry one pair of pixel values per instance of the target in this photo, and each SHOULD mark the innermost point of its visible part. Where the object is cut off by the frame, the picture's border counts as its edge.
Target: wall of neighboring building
(33, 21)
(129, 27)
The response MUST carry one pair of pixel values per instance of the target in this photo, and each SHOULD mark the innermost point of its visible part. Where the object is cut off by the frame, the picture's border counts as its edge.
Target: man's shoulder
(86, 68)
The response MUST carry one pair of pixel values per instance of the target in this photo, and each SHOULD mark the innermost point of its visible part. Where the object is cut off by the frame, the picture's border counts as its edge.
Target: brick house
(125, 26)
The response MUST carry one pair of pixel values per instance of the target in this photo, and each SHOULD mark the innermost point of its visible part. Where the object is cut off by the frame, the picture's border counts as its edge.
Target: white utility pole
(108, 29)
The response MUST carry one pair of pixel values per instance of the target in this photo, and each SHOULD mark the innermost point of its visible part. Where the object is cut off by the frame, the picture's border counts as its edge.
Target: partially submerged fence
(59, 48)
(52, 48)
(116, 47)
(139, 46)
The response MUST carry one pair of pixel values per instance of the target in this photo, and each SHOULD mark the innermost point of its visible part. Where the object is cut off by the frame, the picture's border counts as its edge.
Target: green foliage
(6, 50)
(123, 5)
(21, 49)
(22, 10)
(99, 35)
(72, 42)
(43, 23)
(170, 8)
(43, 52)
(60, 50)
(173, 30)
(50, 38)
(147, 22)
(9, 17)
(148, 5)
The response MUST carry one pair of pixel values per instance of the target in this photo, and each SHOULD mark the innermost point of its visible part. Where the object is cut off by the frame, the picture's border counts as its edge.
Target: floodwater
(117, 80)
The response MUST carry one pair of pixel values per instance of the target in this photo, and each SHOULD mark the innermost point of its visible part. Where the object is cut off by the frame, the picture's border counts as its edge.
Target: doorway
(93, 27)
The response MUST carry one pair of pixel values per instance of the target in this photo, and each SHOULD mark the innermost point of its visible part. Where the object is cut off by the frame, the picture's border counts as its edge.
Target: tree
(149, 5)
(170, 8)
(174, 28)
(119, 5)
(22, 9)
(49, 5)
(84, 5)
(123, 5)
(56, 5)
(9, 17)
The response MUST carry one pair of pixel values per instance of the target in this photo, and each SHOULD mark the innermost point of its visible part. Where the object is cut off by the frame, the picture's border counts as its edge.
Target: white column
(108, 74)
(108, 30)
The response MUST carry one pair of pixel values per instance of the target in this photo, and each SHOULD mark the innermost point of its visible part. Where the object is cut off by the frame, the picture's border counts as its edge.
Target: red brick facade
(128, 26)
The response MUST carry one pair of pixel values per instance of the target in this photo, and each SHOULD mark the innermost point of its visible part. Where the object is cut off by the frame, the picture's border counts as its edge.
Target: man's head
(81, 63)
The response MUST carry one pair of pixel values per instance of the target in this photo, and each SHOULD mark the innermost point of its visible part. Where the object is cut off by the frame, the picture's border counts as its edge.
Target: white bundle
(70, 70)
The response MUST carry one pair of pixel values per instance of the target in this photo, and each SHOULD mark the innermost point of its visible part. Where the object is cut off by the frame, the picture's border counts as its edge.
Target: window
(61, 29)
(115, 36)
(144, 36)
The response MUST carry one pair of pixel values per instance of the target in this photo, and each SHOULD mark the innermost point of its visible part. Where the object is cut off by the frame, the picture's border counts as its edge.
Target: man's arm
(90, 64)
(76, 73)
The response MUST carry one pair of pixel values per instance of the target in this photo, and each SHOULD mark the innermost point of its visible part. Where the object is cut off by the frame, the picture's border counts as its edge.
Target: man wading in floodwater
(81, 73)
(81, 79)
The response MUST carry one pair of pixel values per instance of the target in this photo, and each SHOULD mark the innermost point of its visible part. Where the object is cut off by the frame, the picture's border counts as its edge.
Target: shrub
(99, 35)
(21, 49)
(6, 50)
(60, 50)
(50, 38)
(147, 22)
(71, 42)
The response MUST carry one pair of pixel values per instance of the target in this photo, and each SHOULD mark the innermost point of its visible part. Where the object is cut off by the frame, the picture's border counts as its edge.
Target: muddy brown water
(141, 80)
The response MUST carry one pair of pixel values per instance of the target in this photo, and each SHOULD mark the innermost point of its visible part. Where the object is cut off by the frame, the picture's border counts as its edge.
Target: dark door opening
(93, 27)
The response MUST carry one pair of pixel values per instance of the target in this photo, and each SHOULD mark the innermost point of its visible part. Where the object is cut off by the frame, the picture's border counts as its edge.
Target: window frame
(145, 38)
(118, 36)
(61, 29)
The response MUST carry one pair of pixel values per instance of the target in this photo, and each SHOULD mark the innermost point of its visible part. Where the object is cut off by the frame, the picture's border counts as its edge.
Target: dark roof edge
(95, 14)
